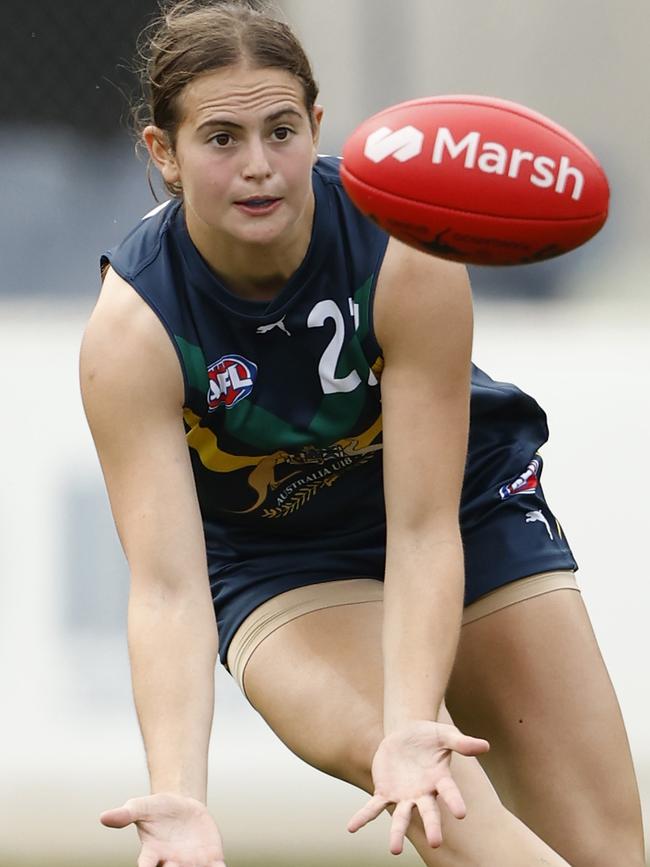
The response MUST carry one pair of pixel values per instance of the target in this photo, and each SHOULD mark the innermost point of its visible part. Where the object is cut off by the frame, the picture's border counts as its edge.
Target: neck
(256, 272)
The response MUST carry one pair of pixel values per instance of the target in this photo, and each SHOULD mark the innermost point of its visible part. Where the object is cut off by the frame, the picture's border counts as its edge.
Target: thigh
(318, 682)
(530, 679)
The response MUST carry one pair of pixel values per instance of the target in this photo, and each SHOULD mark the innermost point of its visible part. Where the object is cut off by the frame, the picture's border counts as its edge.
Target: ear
(316, 120)
(162, 153)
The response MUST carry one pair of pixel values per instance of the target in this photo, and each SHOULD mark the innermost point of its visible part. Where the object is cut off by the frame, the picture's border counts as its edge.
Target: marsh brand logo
(496, 159)
(231, 379)
(489, 157)
(403, 144)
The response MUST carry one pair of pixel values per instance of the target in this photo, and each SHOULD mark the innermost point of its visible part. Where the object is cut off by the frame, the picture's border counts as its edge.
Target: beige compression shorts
(275, 612)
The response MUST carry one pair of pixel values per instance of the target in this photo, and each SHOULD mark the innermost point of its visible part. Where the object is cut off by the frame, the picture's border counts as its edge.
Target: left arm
(423, 321)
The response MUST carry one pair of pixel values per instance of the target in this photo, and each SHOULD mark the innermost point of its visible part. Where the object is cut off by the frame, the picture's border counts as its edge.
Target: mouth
(258, 205)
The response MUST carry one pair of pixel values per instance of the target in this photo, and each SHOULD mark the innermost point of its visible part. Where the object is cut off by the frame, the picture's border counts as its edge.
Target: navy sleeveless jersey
(282, 398)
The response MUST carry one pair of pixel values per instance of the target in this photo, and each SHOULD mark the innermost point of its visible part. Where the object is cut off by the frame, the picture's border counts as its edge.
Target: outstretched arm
(133, 394)
(423, 322)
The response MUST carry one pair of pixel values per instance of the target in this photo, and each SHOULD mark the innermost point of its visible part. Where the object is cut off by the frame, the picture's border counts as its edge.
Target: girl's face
(243, 156)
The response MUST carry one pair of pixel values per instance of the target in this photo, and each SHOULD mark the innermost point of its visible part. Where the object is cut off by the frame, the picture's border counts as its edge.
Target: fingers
(117, 818)
(449, 793)
(464, 744)
(401, 819)
(135, 810)
(430, 814)
(148, 860)
(372, 809)
(399, 826)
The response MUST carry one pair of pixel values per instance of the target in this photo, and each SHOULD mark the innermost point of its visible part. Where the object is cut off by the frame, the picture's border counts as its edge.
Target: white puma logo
(279, 324)
(538, 516)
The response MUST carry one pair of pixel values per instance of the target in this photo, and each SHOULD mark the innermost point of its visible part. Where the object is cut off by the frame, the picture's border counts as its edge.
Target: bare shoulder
(423, 306)
(132, 389)
(423, 322)
(126, 352)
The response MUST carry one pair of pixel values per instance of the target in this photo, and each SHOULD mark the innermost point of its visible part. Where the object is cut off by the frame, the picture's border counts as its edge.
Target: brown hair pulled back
(192, 37)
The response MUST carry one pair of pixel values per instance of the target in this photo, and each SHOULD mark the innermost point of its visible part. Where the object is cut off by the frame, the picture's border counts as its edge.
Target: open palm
(411, 768)
(175, 831)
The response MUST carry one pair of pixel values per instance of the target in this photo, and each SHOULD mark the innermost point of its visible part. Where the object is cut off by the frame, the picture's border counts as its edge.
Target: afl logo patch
(526, 483)
(231, 379)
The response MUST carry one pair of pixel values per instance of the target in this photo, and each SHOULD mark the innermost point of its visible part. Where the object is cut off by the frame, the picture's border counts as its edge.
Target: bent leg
(530, 679)
(318, 682)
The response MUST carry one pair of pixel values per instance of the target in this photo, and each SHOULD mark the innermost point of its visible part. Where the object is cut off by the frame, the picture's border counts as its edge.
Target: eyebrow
(215, 121)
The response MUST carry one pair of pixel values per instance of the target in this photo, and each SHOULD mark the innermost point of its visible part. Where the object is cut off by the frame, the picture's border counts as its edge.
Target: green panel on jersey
(337, 414)
(195, 365)
(263, 430)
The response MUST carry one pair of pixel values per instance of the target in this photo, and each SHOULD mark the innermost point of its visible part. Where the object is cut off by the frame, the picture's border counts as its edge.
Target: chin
(260, 235)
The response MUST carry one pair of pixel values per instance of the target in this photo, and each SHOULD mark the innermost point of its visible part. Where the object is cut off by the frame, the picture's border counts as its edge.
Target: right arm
(423, 321)
(132, 390)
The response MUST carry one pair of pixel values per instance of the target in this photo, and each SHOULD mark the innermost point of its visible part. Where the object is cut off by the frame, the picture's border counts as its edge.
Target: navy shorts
(508, 531)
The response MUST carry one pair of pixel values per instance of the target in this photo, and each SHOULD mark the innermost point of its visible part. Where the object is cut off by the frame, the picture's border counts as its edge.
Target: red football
(475, 179)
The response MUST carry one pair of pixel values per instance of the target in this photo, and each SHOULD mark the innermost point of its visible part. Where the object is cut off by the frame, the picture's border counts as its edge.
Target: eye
(222, 139)
(282, 133)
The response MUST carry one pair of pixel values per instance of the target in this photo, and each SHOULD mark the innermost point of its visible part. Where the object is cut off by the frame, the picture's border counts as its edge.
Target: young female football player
(280, 398)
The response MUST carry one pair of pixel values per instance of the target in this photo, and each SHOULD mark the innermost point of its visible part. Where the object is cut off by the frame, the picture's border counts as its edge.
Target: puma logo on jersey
(263, 329)
(537, 515)
(231, 379)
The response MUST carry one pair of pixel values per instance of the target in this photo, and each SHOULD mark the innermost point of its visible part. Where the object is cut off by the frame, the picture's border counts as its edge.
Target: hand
(175, 831)
(411, 769)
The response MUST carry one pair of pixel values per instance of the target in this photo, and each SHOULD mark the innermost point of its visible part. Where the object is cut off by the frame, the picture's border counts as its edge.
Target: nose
(256, 163)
